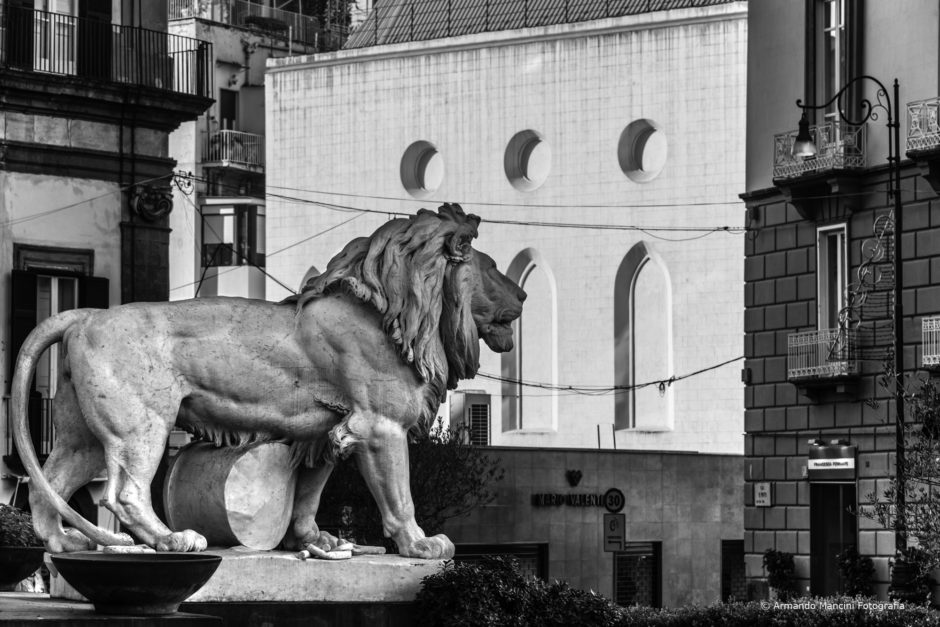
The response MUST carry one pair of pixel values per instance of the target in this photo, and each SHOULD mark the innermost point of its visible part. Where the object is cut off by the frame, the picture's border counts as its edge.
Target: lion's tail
(47, 333)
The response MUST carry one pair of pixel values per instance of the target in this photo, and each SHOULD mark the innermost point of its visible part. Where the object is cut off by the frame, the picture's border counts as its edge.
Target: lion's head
(437, 295)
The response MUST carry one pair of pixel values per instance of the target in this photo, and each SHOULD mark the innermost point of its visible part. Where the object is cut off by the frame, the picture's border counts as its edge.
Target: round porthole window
(422, 169)
(528, 160)
(642, 150)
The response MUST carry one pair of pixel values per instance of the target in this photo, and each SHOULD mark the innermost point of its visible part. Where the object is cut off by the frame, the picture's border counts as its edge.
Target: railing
(303, 28)
(930, 343)
(40, 426)
(923, 126)
(234, 148)
(418, 20)
(839, 146)
(826, 353)
(53, 43)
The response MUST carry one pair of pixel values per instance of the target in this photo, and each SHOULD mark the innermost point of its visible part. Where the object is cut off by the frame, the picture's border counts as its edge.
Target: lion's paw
(186, 540)
(435, 547)
(70, 541)
(322, 540)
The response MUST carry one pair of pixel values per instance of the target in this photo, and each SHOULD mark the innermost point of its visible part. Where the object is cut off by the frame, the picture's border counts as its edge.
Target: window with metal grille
(637, 574)
(478, 422)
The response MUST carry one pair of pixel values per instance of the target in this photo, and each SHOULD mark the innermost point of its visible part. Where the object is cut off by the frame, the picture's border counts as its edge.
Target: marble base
(252, 576)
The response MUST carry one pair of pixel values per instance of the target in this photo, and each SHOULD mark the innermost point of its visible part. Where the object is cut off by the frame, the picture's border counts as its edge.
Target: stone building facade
(587, 147)
(820, 273)
(91, 91)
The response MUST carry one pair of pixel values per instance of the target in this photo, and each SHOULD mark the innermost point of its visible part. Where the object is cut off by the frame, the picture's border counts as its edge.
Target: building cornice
(517, 37)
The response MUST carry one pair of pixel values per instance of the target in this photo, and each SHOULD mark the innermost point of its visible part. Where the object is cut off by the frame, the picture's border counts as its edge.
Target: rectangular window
(478, 423)
(54, 294)
(832, 274)
(834, 52)
(233, 235)
(638, 574)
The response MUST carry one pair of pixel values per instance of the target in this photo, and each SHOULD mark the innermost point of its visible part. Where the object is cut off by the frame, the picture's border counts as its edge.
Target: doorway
(833, 529)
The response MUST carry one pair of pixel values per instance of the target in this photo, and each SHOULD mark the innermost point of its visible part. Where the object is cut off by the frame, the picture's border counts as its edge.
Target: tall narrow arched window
(643, 342)
(534, 358)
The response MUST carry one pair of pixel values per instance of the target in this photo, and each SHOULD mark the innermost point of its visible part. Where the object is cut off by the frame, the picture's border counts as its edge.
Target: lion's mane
(417, 272)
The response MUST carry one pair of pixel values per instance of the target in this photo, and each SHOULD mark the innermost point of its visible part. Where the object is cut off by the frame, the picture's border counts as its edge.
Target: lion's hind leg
(132, 452)
(77, 457)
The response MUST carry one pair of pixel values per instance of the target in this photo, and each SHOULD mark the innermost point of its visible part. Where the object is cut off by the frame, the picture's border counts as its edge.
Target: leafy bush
(16, 528)
(495, 593)
(781, 573)
(857, 572)
(910, 575)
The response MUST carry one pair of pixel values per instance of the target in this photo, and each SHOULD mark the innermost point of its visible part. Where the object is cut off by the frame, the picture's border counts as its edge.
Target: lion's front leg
(383, 462)
(303, 528)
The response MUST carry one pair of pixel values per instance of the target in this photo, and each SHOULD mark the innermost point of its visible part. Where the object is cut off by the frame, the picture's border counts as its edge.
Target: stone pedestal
(374, 590)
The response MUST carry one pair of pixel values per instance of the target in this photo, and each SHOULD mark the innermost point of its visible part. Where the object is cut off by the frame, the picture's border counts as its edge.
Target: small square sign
(762, 494)
(615, 526)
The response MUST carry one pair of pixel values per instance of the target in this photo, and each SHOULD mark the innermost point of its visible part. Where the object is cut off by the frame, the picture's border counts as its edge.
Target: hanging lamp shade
(803, 146)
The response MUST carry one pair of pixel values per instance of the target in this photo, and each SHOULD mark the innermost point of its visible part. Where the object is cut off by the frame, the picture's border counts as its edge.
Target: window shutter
(23, 312)
(93, 291)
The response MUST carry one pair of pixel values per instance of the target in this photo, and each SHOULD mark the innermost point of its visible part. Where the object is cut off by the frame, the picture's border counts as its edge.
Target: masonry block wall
(780, 297)
(689, 503)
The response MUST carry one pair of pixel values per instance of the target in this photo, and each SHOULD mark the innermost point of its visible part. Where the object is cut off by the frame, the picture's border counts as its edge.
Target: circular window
(528, 160)
(642, 150)
(422, 169)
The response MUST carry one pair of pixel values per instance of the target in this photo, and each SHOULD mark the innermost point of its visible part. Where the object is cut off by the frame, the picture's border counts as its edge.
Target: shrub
(493, 592)
(781, 573)
(16, 528)
(857, 571)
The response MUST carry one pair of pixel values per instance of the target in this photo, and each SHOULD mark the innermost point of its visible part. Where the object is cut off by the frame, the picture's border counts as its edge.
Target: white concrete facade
(338, 125)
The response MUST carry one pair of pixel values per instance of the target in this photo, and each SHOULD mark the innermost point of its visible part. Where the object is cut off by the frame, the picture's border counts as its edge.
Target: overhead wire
(592, 390)
(43, 214)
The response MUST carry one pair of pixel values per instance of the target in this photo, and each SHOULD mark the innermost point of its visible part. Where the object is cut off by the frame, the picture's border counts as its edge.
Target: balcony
(923, 128)
(46, 43)
(822, 358)
(923, 138)
(234, 149)
(841, 147)
(289, 25)
(833, 171)
(930, 343)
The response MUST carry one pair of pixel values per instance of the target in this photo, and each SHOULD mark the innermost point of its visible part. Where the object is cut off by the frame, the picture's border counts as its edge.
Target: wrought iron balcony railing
(234, 148)
(930, 343)
(288, 24)
(840, 146)
(923, 126)
(822, 354)
(54, 43)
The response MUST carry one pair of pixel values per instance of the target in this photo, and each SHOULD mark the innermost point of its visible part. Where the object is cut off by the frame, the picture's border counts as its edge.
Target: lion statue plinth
(346, 367)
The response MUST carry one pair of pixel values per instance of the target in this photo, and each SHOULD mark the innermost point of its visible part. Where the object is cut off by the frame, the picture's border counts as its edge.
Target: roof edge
(641, 21)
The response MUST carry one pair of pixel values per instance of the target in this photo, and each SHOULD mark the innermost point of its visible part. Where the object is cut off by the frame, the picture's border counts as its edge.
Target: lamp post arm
(868, 108)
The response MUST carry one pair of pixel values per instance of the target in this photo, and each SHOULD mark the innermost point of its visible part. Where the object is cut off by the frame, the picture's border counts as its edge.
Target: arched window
(534, 357)
(643, 341)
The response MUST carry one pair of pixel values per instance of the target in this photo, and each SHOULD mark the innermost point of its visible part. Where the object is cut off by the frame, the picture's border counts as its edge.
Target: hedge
(496, 592)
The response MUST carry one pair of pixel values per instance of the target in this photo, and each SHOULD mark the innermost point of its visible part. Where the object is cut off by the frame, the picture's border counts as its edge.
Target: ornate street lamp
(803, 146)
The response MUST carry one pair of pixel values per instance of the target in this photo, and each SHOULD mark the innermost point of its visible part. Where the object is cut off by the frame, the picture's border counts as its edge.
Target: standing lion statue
(347, 367)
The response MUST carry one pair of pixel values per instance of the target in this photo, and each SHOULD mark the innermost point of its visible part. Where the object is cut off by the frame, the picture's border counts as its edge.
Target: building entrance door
(833, 528)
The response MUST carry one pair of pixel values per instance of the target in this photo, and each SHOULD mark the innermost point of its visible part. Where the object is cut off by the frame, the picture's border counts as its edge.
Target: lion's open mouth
(497, 336)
